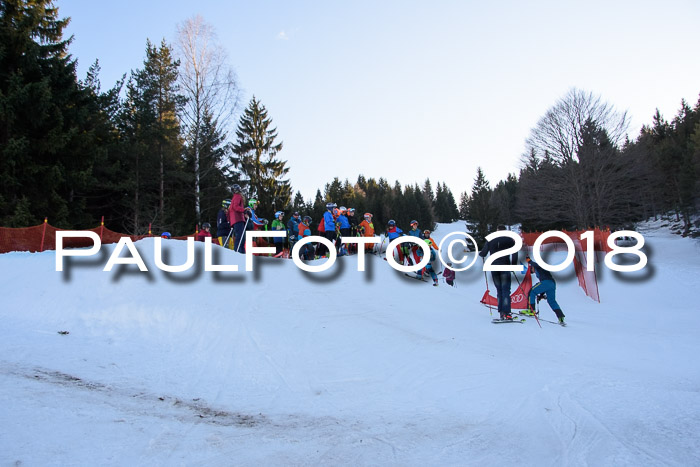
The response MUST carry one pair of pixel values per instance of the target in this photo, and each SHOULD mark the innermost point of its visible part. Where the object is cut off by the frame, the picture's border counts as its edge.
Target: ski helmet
(165, 235)
(392, 222)
(351, 210)
(330, 206)
(206, 225)
(226, 203)
(426, 232)
(414, 222)
(236, 188)
(306, 220)
(252, 203)
(279, 213)
(367, 215)
(343, 209)
(296, 214)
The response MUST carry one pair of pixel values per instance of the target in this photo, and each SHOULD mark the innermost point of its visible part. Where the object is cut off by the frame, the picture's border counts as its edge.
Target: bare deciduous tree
(560, 132)
(210, 85)
(573, 157)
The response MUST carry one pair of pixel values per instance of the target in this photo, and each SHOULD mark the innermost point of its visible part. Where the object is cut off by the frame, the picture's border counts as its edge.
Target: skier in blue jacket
(329, 222)
(545, 287)
(414, 230)
(343, 225)
(293, 229)
(412, 251)
(429, 267)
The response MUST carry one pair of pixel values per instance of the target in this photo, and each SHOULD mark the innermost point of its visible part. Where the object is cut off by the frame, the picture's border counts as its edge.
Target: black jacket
(500, 244)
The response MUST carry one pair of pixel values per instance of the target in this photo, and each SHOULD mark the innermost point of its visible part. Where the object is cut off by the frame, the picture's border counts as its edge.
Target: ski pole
(225, 245)
(243, 234)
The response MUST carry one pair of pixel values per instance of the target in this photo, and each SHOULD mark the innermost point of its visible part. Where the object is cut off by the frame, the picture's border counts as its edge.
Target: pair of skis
(514, 320)
(522, 320)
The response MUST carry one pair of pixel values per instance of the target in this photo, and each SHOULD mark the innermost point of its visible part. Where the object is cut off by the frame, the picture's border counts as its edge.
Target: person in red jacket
(205, 232)
(237, 219)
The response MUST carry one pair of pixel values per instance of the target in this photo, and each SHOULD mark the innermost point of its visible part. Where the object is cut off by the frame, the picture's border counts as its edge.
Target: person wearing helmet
(165, 235)
(329, 223)
(366, 229)
(426, 236)
(223, 226)
(343, 227)
(412, 250)
(278, 225)
(352, 248)
(205, 232)
(293, 229)
(237, 218)
(414, 232)
(256, 223)
(307, 251)
(393, 232)
(428, 269)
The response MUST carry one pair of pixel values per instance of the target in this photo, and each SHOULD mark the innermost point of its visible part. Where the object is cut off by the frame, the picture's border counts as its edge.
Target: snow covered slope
(282, 367)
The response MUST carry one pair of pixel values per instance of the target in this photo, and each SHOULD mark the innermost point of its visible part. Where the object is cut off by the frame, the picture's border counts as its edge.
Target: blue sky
(408, 90)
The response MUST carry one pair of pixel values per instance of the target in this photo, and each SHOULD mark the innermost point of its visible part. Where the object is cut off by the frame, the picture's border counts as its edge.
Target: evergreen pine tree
(464, 206)
(256, 159)
(45, 146)
(152, 136)
(319, 208)
(480, 207)
(299, 205)
(451, 206)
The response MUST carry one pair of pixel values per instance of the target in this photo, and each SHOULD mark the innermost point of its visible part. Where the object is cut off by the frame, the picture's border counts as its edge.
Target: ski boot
(560, 316)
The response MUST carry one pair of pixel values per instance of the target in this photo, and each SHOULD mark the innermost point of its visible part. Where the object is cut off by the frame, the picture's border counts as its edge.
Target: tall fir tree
(299, 205)
(152, 130)
(464, 206)
(255, 159)
(480, 212)
(46, 150)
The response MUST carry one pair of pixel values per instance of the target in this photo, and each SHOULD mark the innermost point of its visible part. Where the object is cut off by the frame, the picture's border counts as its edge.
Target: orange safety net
(586, 279)
(600, 239)
(43, 237)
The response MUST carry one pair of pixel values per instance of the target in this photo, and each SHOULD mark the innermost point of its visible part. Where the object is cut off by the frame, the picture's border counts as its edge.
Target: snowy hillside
(283, 367)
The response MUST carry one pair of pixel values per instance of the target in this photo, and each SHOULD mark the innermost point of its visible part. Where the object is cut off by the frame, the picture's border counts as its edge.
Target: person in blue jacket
(343, 225)
(329, 222)
(547, 286)
(412, 251)
(429, 267)
(414, 230)
(293, 229)
(393, 232)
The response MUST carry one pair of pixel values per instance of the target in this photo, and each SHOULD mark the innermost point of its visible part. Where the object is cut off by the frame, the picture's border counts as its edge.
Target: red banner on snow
(518, 299)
